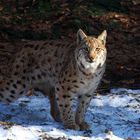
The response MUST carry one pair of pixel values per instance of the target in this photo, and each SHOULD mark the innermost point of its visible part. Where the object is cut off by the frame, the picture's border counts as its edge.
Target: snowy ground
(115, 116)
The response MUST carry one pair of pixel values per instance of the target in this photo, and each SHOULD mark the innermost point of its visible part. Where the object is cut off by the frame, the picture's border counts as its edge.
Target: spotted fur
(63, 70)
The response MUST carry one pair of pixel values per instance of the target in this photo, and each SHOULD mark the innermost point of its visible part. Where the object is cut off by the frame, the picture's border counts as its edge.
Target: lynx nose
(92, 56)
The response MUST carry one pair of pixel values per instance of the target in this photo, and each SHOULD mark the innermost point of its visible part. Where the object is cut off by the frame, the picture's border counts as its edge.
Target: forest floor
(41, 20)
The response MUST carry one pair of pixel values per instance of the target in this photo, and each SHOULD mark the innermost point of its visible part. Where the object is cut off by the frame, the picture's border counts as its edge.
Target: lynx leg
(50, 92)
(83, 104)
(54, 106)
(66, 112)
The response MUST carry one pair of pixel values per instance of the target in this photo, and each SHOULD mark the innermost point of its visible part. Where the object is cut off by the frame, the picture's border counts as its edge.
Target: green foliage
(96, 10)
(56, 32)
(112, 24)
(89, 9)
(113, 5)
(44, 6)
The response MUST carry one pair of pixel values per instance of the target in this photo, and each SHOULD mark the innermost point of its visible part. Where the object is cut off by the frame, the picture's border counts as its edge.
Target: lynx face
(91, 50)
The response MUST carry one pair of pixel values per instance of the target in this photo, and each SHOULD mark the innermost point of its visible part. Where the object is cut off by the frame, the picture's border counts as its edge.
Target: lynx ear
(102, 37)
(80, 36)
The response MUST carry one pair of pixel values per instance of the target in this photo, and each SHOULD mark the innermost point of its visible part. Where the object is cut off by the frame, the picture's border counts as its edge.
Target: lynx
(63, 70)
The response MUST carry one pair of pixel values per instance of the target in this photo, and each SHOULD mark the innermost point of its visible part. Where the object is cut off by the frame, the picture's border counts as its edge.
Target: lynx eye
(97, 49)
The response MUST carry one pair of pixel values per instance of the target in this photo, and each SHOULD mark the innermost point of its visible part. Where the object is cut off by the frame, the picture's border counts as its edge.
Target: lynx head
(91, 50)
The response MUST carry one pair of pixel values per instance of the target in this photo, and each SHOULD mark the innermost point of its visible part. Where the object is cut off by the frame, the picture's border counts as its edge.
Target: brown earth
(39, 20)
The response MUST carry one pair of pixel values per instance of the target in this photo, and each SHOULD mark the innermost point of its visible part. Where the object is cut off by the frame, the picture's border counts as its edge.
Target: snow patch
(114, 116)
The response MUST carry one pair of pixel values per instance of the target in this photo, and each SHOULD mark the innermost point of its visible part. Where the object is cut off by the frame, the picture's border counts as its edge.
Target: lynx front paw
(72, 126)
(84, 126)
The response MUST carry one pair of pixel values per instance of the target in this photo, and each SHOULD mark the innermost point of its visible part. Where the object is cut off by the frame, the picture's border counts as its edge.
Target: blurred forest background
(54, 19)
